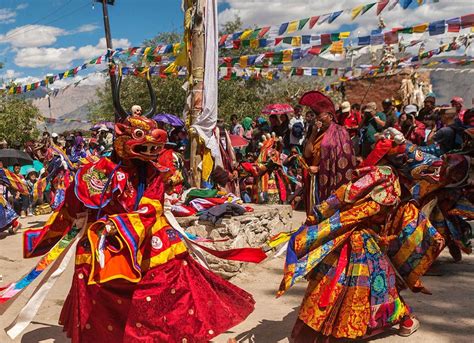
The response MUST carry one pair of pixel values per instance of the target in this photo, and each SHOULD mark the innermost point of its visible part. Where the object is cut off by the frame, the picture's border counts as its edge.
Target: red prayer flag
(236, 44)
(381, 6)
(315, 50)
(313, 21)
(278, 40)
(467, 21)
(326, 39)
(223, 39)
(390, 37)
(263, 31)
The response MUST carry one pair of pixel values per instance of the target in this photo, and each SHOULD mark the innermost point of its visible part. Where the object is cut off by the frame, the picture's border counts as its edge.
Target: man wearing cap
(412, 129)
(429, 106)
(55, 138)
(350, 118)
(372, 123)
(328, 151)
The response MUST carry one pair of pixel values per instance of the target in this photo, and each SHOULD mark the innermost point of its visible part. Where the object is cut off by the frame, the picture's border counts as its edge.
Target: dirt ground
(446, 316)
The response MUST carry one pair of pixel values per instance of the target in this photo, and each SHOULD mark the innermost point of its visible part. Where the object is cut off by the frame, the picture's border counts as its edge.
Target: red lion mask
(139, 138)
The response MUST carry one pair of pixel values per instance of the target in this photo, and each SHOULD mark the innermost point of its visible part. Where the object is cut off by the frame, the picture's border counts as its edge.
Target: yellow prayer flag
(344, 35)
(337, 47)
(472, 29)
(176, 48)
(293, 26)
(356, 11)
(254, 43)
(296, 41)
(147, 51)
(321, 72)
(287, 56)
(243, 61)
(246, 34)
(287, 68)
(420, 28)
(28, 87)
(207, 164)
(66, 74)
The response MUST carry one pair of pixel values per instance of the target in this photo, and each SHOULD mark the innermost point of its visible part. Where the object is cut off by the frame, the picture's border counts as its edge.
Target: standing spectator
(458, 103)
(284, 131)
(297, 129)
(449, 137)
(430, 128)
(372, 123)
(31, 178)
(20, 201)
(350, 118)
(429, 106)
(248, 124)
(274, 124)
(390, 113)
(412, 129)
(55, 138)
(236, 128)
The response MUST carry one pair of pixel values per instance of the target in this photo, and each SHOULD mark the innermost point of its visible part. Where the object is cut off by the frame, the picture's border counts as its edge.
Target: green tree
(232, 26)
(164, 38)
(17, 120)
(170, 97)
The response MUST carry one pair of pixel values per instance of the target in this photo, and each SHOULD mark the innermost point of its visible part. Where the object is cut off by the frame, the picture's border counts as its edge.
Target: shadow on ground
(270, 330)
(49, 332)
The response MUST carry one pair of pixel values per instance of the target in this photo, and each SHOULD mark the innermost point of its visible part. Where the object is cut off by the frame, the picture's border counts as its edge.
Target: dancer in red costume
(134, 278)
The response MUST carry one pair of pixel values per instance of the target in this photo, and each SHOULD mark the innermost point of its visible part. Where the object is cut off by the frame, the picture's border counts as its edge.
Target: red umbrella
(238, 142)
(278, 109)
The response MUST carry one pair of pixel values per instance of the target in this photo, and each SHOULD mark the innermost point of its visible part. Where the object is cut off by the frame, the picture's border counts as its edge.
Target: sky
(40, 37)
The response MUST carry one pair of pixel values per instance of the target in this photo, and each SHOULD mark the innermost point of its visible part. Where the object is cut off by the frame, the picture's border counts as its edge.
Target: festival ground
(446, 316)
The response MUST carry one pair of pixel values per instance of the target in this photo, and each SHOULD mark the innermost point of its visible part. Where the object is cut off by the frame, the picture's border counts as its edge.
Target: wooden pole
(108, 40)
(197, 58)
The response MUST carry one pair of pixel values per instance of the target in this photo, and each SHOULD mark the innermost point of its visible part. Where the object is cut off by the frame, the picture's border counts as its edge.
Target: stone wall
(252, 229)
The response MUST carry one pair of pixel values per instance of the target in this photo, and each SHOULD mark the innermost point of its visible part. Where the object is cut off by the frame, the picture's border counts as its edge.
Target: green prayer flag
(302, 23)
(367, 7)
(335, 37)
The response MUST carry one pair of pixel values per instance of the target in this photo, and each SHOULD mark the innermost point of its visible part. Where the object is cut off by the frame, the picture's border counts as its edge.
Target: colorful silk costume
(429, 178)
(352, 251)
(134, 279)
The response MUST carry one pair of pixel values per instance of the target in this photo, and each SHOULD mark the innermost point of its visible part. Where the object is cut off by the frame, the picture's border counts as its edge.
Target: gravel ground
(446, 316)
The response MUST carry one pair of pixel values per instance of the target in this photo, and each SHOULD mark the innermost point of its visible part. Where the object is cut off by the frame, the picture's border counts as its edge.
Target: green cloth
(247, 123)
(372, 128)
(200, 193)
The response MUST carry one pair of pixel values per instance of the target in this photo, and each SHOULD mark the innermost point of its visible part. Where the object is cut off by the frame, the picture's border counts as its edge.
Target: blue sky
(68, 32)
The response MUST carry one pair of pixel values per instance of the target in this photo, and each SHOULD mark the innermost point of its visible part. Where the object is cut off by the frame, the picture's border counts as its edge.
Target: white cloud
(32, 36)
(62, 58)
(91, 51)
(22, 6)
(86, 28)
(7, 16)
(9, 74)
(29, 36)
(54, 58)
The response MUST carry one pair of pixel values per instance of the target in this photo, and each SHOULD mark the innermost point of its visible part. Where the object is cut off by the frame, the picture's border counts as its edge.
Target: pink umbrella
(238, 142)
(278, 109)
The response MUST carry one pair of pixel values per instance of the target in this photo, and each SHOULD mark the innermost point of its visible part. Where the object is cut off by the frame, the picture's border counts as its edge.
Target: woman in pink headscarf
(328, 151)
(457, 102)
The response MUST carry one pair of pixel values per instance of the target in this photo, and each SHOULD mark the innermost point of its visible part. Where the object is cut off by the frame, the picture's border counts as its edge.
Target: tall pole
(196, 76)
(108, 41)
